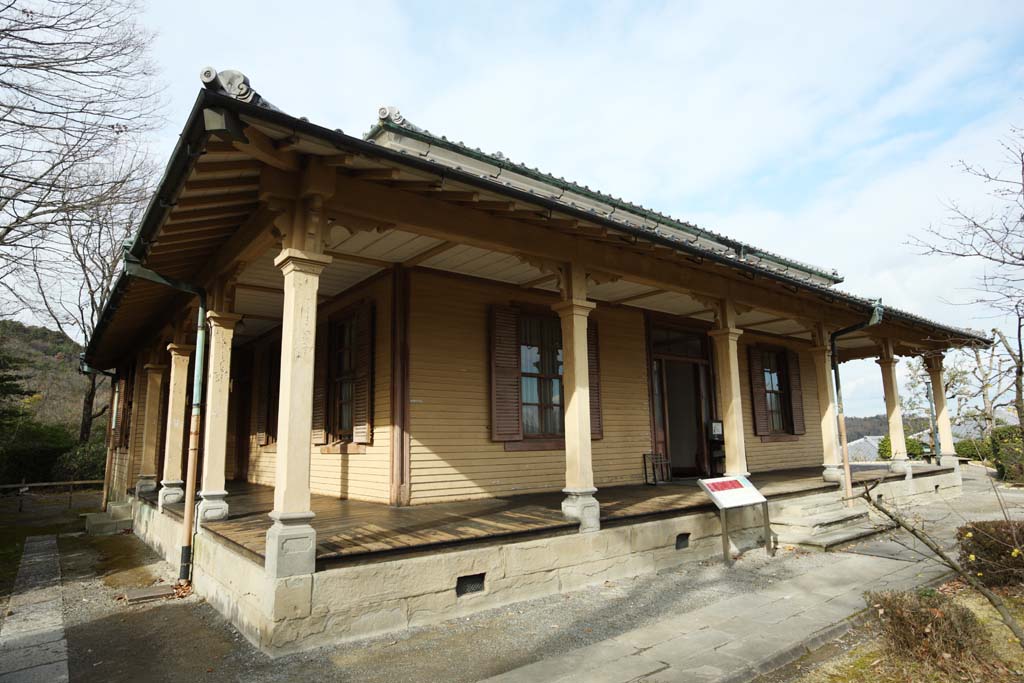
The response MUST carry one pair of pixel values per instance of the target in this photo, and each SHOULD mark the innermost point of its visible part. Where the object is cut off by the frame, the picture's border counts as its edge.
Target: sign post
(737, 492)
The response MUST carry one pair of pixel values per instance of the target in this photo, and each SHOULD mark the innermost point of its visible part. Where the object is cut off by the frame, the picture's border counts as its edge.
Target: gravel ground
(186, 639)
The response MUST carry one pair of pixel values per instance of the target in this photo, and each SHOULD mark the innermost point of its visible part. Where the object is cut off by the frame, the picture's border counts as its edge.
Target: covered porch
(352, 531)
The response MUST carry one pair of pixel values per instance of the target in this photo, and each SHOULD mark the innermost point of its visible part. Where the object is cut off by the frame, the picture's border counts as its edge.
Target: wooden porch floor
(351, 530)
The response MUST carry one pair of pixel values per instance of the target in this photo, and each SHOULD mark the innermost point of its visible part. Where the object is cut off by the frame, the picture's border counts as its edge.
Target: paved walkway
(32, 644)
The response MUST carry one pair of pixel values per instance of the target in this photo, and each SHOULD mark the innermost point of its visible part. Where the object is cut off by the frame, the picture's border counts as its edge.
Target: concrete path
(32, 644)
(739, 638)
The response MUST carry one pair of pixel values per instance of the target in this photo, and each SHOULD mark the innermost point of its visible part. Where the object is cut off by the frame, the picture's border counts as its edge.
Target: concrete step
(103, 524)
(832, 539)
(822, 522)
(120, 510)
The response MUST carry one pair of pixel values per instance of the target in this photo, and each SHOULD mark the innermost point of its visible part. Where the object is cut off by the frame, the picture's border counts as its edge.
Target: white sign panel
(731, 492)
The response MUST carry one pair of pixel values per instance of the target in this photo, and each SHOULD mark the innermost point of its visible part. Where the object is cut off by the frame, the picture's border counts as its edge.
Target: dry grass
(874, 660)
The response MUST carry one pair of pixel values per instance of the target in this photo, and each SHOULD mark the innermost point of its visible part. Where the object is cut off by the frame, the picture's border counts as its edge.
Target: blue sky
(824, 131)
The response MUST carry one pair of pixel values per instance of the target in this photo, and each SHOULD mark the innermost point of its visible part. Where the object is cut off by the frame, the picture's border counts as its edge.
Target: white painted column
(171, 490)
(214, 504)
(150, 429)
(727, 373)
(887, 362)
(832, 460)
(945, 448)
(579, 503)
(291, 541)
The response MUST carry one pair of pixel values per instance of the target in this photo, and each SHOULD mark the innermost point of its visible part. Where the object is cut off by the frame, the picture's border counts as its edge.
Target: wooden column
(832, 460)
(727, 373)
(214, 504)
(151, 429)
(291, 541)
(897, 438)
(177, 399)
(579, 503)
(945, 448)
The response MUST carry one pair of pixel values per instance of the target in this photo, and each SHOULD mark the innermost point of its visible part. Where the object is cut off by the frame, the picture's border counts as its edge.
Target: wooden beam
(201, 226)
(240, 184)
(336, 160)
(769, 321)
(249, 242)
(376, 173)
(636, 297)
(208, 167)
(547, 277)
(216, 212)
(262, 148)
(216, 200)
(356, 258)
(452, 222)
(429, 254)
(175, 240)
(271, 290)
(257, 316)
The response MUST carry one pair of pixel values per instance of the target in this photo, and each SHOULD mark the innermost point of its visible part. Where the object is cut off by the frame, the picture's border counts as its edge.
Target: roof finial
(233, 84)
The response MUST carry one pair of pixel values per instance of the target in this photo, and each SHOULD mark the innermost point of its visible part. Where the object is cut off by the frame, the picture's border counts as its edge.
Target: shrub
(915, 448)
(928, 625)
(975, 449)
(993, 551)
(84, 461)
(1008, 452)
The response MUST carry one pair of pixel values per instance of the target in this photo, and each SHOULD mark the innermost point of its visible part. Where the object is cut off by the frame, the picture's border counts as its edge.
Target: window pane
(556, 392)
(529, 358)
(530, 394)
(531, 420)
(552, 420)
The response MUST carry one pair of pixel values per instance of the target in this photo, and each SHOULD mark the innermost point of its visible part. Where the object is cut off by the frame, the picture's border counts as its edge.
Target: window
(341, 379)
(540, 361)
(776, 389)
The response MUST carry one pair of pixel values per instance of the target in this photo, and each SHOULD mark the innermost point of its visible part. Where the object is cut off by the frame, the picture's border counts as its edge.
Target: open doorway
(680, 398)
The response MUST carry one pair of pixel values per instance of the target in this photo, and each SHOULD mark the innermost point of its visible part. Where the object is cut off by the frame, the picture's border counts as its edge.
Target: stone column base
(582, 507)
(145, 484)
(833, 473)
(291, 545)
(171, 492)
(213, 507)
(901, 466)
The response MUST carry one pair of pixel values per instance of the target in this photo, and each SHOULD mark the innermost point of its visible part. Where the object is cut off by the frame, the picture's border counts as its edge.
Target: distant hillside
(51, 369)
(878, 425)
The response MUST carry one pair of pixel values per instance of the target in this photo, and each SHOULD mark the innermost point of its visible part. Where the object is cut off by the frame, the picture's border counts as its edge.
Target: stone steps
(116, 519)
(824, 521)
(830, 540)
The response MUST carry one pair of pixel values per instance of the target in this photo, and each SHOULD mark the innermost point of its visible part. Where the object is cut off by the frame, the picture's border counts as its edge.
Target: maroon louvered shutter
(362, 391)
(320, 371)
(506, 400)
(594, 366)
(262, 387)
(759, 399)
(796, 392)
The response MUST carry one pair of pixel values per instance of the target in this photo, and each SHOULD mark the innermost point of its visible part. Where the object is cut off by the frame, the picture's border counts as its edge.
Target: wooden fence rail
(23, 488)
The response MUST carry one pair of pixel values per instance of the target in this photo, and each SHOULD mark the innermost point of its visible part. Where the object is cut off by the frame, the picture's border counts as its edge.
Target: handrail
(77, 482)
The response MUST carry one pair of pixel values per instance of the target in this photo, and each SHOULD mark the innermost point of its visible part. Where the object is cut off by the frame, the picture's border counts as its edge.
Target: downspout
(134, 268)
(87, 369)
(876, 317)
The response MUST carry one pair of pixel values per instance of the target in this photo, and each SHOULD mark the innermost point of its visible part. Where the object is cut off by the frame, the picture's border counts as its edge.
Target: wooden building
(421, 353)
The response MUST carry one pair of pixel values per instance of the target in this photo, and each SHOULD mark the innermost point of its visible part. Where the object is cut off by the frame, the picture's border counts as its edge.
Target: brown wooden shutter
(796, 391)
(759, 399)
(117, 436)
(362, 392)
(320, 372)
(506, 399)
(594, 366)
(261, 388)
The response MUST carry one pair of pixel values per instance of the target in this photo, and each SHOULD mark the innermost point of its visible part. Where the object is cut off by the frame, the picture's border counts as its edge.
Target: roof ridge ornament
(234, 84)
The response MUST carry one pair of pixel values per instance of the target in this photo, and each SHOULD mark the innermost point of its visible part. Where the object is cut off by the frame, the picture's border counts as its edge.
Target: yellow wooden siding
(452, 455)
(806, 451)
(138, 418)
(360, 476)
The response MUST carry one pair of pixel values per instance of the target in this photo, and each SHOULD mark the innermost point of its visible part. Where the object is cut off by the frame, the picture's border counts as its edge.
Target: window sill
(779, 438)
(535, 445)
(269, 448)
(344, 448)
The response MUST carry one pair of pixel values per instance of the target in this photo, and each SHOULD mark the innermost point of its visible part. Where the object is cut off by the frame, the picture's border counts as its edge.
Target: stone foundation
(300, 612)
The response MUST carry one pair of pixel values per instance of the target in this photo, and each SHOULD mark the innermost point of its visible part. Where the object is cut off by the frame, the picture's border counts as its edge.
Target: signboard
(731, 492)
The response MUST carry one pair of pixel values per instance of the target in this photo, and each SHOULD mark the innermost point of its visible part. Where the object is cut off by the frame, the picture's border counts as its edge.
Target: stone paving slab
(32, 644)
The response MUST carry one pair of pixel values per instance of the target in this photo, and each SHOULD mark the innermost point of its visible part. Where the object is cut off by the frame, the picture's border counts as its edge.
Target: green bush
(30, 450)
(927, 624)
(84, 461)
(992, 551)
(915, 449)
(1008, 452)
(975, 449)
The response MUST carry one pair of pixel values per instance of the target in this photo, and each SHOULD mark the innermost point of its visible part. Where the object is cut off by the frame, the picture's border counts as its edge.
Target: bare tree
(990, 376)
(76, 85)
(996, 240)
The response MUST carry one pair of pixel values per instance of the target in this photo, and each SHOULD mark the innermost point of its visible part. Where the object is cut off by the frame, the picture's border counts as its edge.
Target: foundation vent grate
(682, 541)
(471, 583)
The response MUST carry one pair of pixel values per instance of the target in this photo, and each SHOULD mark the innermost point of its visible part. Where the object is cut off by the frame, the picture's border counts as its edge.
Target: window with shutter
(272, 388)
(320, 372)
(341, 378)
(506, 411)
(362, 383)
(796, 393)
(776, 391)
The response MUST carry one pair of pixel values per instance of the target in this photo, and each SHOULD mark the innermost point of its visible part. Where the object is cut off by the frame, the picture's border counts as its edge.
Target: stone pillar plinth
(832, 460)
(727, 366)
(291, 541)
(900, 462)
(177, 399)
(579, 504)
(151, 429)
(214, 504)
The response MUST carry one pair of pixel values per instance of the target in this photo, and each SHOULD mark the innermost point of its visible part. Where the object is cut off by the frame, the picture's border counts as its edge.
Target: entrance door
(680, 402)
